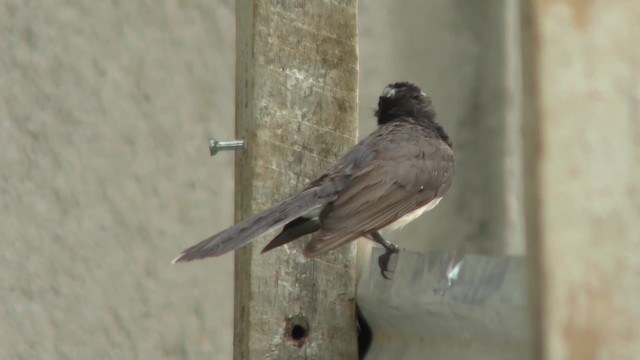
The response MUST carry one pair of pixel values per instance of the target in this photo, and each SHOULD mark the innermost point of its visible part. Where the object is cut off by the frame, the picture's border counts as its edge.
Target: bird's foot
(383, 260)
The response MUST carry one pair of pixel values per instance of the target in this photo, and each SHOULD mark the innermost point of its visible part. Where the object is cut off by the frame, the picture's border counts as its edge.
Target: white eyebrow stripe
(388, 91)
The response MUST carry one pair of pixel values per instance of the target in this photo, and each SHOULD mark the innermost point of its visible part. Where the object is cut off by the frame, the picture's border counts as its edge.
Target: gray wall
(106, 108)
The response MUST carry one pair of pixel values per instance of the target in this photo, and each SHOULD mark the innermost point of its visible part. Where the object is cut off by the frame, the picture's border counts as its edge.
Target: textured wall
(105, 110)
(585, 218)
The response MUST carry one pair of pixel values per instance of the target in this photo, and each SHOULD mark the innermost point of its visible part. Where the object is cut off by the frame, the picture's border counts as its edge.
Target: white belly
(398, 224)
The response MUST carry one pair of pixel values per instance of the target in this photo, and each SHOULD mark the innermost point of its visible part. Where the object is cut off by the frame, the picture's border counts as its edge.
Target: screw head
(213, 146)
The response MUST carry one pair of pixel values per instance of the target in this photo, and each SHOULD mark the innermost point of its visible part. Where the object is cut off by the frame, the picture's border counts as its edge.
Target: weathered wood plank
(585, 84)
(296, 105)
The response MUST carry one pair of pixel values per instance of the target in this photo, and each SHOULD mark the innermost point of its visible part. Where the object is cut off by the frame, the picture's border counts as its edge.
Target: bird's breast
(409, 217)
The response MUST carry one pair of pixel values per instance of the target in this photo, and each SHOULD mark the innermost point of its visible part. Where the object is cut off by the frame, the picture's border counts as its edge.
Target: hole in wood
(298, 332)
(297, 329)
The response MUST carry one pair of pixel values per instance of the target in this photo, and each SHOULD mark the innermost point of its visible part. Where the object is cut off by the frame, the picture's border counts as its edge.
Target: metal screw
(215, 145)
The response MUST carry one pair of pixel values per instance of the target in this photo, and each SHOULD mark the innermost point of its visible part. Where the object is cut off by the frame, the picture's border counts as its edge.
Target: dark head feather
(404, 101)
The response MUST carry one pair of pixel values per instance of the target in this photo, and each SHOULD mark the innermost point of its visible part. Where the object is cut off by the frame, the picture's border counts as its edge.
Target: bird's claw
(383, 262)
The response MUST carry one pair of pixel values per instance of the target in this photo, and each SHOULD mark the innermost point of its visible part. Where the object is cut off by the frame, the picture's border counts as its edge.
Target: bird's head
(404, 100)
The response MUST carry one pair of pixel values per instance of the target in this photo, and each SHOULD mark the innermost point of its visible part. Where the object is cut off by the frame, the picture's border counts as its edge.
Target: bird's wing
(402, 179)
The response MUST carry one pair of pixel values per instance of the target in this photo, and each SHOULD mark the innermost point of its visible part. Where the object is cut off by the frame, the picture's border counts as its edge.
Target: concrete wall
(105, 111)
(584, 215)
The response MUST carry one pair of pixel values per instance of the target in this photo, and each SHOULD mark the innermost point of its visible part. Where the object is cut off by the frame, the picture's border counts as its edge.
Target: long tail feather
(246, 230)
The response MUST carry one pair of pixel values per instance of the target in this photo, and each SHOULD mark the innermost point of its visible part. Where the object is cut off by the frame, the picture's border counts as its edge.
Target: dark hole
(298, 332)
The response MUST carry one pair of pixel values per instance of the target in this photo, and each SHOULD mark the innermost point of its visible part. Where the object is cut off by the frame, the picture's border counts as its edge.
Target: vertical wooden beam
(586, 88)
(296, 105)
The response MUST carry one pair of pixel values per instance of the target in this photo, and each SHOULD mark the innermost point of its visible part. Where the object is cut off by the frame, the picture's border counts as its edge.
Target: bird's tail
(246, 230)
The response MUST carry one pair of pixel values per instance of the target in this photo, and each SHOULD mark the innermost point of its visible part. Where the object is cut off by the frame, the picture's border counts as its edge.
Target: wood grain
(296, 105)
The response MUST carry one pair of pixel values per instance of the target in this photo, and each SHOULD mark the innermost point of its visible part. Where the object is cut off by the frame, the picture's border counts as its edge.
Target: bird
(391, 177)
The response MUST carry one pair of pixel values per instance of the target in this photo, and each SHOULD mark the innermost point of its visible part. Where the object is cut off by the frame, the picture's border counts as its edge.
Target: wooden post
(584, 199)
(296, 105)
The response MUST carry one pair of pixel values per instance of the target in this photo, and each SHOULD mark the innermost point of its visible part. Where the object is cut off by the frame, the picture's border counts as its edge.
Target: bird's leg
(383, 260)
